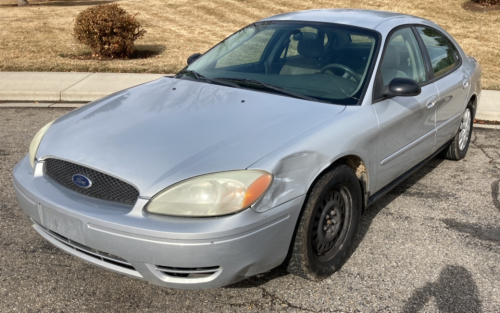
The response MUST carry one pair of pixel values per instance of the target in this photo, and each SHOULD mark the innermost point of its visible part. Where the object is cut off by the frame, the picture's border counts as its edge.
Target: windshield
(318, 61)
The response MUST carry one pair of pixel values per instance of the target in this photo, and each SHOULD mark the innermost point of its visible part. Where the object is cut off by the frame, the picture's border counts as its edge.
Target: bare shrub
(108, 30)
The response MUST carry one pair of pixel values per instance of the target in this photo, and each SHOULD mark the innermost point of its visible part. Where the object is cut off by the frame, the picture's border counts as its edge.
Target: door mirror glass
(193, 57)
(403, 87)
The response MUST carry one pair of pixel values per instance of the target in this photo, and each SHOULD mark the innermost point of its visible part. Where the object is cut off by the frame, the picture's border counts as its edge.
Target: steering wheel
(348, 72)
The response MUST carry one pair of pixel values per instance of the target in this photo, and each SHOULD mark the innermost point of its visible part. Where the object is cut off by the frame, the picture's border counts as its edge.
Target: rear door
(406, 124)
(451, 80)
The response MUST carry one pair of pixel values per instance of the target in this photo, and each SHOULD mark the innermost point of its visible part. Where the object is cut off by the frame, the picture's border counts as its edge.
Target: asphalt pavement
(431, 245)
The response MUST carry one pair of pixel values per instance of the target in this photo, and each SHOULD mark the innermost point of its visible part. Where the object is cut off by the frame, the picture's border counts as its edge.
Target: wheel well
(358, 166)
(473, 99)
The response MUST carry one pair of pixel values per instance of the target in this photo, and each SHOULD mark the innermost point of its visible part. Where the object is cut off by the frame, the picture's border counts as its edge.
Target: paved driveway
(431, 245)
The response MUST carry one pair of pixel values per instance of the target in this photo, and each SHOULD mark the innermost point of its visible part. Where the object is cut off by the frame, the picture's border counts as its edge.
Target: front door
(406, 124)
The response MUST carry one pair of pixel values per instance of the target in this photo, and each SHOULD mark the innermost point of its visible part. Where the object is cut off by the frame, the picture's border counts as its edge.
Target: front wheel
(460, 144)
(327, 226)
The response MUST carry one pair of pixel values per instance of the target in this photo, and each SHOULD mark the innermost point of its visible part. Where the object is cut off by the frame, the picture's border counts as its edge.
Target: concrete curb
(486, 126)
(58, 88)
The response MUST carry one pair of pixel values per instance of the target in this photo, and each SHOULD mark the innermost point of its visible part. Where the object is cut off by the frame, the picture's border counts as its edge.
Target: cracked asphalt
(431, 245)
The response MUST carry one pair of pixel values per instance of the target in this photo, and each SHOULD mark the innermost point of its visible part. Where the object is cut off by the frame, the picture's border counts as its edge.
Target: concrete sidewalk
(66, 87)
(53, 89)
(489, 106)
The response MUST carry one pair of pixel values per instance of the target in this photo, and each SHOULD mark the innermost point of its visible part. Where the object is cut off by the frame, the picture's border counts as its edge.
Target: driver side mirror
(193, 57)
(402, 87)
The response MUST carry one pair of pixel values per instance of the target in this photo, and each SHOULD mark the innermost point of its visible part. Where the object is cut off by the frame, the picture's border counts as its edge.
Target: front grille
(100, 255)
(188, 272)
(103, 186)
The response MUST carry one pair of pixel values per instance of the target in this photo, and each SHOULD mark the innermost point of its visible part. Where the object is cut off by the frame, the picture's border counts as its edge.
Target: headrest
(391, 58)
(309, 46)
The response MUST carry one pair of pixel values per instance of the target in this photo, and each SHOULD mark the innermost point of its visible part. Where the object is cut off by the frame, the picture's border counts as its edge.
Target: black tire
(456, 150)
(323, 240)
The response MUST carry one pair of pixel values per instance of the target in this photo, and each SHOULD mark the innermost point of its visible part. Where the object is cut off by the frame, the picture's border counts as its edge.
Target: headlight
(36, 142)
(211, 195)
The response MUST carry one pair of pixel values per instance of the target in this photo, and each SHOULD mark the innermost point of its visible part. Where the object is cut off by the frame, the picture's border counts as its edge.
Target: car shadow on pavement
(372, 211)
(365, 222)
(454, 291)
(260, 279)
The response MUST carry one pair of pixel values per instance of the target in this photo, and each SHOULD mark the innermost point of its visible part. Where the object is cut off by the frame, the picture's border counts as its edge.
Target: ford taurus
(263, 151)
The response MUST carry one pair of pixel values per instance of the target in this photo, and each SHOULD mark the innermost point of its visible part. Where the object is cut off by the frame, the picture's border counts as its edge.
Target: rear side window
(443, 54)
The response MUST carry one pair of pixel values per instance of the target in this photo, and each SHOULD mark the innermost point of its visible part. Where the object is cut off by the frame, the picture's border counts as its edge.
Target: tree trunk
(22, 3)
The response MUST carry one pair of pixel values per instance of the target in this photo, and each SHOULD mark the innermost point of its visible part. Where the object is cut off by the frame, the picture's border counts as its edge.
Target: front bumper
(168, 251)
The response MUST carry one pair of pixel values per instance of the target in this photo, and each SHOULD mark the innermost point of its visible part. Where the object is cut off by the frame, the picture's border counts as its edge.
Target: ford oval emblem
(82, 181)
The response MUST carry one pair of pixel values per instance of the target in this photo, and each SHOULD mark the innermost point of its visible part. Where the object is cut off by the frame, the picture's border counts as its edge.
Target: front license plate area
(61, 224)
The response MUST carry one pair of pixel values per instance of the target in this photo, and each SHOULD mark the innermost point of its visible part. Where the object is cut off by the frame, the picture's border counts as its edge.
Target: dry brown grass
(38, 38)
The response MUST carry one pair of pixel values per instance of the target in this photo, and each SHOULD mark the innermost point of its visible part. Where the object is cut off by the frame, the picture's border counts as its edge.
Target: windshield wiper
(200, 77)
(267, 86)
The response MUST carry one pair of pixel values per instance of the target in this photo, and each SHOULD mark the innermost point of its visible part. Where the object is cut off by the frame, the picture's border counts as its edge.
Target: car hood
(168, 130)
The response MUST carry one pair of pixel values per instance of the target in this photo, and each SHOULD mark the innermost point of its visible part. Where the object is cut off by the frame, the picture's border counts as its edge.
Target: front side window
(402, 58)
(444, 56)
(315, 61)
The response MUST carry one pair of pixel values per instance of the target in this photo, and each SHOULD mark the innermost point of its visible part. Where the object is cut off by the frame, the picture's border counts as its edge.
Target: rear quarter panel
(473, 67)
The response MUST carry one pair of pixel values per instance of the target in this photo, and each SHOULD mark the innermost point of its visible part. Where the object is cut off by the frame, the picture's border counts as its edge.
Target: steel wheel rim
(329, 222)
(463, 136)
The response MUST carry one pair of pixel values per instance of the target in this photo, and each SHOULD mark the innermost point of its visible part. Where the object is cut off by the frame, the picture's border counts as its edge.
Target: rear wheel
(460, 144)
(327, 226)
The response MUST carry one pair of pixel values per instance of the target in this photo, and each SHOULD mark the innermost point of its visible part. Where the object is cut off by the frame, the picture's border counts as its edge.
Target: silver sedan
(264, 151)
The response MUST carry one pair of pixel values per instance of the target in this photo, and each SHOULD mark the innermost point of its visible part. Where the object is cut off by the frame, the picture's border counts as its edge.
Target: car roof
(355, 17)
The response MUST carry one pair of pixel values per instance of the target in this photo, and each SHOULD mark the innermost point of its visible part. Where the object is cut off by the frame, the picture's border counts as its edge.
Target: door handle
(431, 102)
